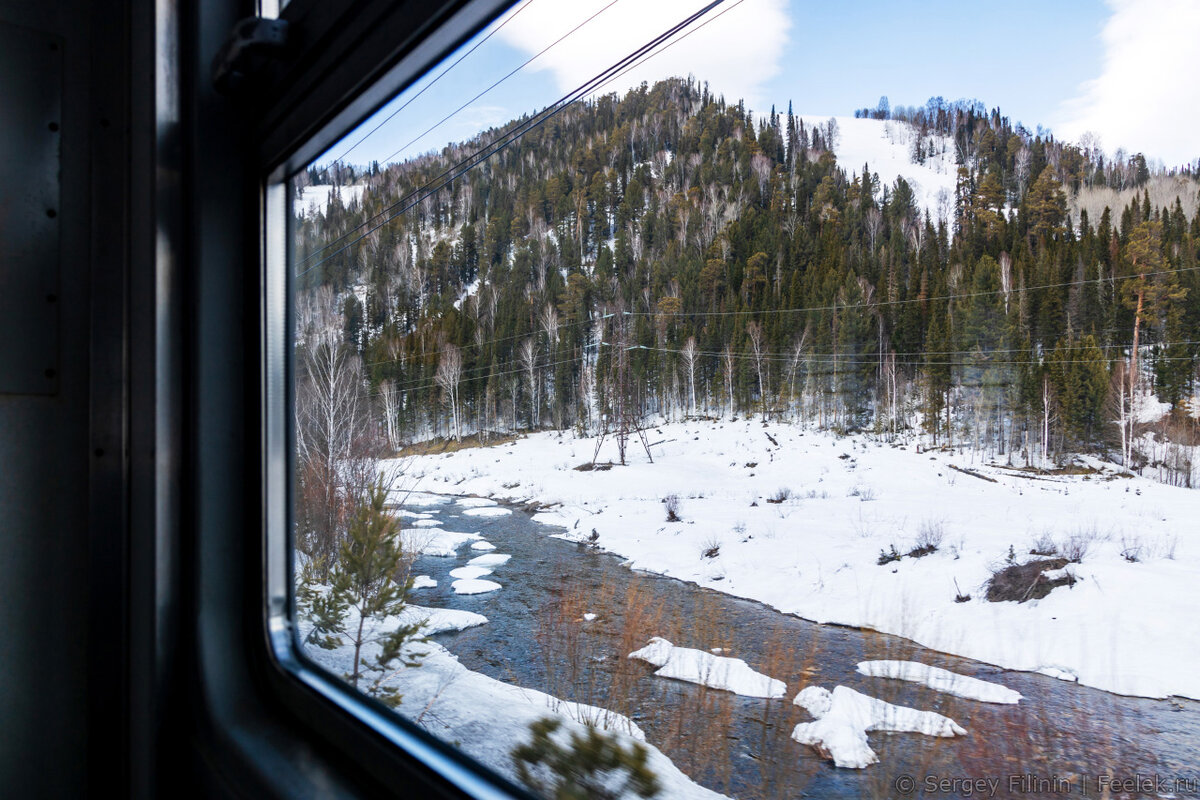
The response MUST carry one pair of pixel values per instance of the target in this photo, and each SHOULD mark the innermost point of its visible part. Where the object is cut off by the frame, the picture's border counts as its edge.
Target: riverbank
(800, 520)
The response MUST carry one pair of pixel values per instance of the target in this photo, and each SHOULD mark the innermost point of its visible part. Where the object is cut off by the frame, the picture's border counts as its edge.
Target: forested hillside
(665, 254)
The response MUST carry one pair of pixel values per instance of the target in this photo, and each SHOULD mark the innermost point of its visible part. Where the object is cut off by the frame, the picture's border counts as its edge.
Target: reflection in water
(541, 634)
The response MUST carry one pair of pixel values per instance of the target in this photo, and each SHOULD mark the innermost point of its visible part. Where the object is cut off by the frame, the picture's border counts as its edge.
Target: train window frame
(318, 104)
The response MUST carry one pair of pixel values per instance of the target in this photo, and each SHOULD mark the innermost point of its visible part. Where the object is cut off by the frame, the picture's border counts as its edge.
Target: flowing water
(1058, 741)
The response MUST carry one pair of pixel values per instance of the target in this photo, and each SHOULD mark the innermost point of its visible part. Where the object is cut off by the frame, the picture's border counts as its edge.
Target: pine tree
(370, 585)
(595, 766)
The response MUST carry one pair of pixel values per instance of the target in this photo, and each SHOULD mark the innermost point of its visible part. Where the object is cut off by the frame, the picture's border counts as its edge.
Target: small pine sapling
(594, 766)
(370, 586)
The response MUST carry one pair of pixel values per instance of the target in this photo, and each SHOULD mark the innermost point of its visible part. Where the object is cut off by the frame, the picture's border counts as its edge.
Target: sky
(1119, 69)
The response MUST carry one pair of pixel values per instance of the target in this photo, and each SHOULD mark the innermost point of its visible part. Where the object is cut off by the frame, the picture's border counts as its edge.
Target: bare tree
(336, 446)
(527, 354)
(448, 377)
(755, 332)
(689, 363)
(389, 398)
(548, 319)
(727, 367)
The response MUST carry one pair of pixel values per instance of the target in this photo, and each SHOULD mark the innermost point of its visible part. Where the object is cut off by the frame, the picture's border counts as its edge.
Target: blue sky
(1120, 69)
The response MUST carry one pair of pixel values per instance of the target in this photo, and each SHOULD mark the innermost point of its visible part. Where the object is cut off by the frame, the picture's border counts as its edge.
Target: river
(1059, 740)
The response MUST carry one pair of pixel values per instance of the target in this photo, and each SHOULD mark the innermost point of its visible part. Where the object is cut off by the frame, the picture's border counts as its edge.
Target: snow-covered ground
(316, 198)
(886, 146)
(1126, 626)
(486, 718)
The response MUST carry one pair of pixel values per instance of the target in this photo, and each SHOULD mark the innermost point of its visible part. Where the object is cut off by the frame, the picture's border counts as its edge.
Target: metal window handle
(251, 42)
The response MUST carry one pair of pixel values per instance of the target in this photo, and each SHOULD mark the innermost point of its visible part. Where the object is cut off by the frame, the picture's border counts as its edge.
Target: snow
(589, 617)
(318, 197)
(468, 573)
(717, 672)
(940, 680)
(1124, 627)
(486, 718)
(886, 147)
(493, 511)
(474, 586)
(844, 717)
(475, 502)
(406, 497)
(433, 542)
(1061, 674)
(482, 545)
(423, 582)
(427, 523)
(490, 560)
(441, 620)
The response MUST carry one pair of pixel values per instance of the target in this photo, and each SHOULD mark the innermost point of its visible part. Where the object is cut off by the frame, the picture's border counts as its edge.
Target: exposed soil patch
(1028, 581)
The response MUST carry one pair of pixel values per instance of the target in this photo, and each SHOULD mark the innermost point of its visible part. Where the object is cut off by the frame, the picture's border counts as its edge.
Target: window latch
(251, 43)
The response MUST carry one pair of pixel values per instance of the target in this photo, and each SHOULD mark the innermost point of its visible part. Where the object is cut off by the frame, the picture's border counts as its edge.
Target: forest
(665, 254)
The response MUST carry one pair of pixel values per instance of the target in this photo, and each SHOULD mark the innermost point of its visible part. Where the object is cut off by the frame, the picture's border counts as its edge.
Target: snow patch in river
(431, 542)
(940, 680)
(474, 586)
(475, 502)
(490, 560)
(469, 573)
(488, 511)
(717, 672)
(844, 716)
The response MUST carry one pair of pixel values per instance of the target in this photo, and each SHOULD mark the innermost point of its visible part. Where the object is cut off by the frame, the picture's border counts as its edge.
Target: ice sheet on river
(431, 542)
(488, 511)
(490, 560)
(475, 502)
(474, 586)
(844, 716)
(717, 672)
(940, 680)
(469, 573)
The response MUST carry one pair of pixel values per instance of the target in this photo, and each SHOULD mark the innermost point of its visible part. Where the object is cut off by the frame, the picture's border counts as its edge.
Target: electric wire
(431, 84)
(462, 167)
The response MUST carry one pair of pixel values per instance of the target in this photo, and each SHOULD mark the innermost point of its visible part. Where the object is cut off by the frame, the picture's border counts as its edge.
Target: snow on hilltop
(1127, 626)
(886, 146)
(317, 197)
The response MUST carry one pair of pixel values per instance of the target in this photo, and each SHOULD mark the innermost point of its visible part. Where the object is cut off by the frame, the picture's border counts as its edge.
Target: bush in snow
(671, 501)
(594, 765)
(929, 538)
(781, 494)
(1043, 545)
(1131, 548)
(1075, 547)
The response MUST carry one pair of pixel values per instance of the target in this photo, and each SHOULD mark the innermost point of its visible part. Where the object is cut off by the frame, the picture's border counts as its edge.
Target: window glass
(673, 418)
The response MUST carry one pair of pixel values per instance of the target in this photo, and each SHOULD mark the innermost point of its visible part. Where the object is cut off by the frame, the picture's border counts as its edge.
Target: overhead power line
(462, 167)
(431, 84)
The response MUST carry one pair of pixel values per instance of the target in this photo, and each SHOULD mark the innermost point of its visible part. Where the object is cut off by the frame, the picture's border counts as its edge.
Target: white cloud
(1147, 98)
(736, 53)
